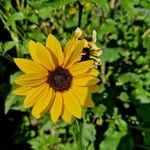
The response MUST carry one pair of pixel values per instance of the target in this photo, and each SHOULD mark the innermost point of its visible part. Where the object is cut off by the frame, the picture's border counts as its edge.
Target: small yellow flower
(78, 33)
(95, 51)
(56, 81)
(90, 50)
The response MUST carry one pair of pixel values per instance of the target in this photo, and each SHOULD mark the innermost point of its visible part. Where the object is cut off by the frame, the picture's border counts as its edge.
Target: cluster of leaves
(120, 119)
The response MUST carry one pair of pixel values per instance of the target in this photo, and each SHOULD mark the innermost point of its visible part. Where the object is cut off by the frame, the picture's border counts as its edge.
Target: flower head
(56, 80)
(90, 49)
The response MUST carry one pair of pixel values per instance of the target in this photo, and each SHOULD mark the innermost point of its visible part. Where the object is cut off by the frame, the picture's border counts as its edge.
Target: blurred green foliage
(120, 120)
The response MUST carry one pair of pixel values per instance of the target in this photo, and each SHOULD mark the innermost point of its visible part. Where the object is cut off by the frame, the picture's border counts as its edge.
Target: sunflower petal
(70, 46)
(85, 81)
(72, 104)
(81, 93)
(53, 44)
(23, 90)
(73, 52)
(93, 72)
(41, 55)
(44, 57)
(81, 67)
(56, 108)
(89, 103)
(31, 80)
(94, 89)
(28, 66)
(42, 103)
(45, 110)
(66, 115)
(34, 95)
(33, 50)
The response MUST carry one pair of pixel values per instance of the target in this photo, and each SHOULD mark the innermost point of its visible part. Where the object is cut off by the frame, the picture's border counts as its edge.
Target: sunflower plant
(74, 74)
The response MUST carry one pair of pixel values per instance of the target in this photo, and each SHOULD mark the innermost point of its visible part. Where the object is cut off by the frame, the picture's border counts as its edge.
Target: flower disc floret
(60, 79)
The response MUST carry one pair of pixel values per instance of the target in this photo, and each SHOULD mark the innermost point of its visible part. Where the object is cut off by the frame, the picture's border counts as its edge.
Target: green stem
(80, 13)
(103, 72)
(22, 4)
(18, 4)
(8, 57)
(143, 146)
(79, 134)
(13, 32)
(140, 128)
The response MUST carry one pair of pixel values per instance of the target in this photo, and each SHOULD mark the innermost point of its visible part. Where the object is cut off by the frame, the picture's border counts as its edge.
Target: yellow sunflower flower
(90, 51)
(56, 81)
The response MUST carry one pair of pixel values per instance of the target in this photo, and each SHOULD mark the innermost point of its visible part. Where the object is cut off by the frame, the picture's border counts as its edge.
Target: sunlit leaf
(8, 46)
(15, 17)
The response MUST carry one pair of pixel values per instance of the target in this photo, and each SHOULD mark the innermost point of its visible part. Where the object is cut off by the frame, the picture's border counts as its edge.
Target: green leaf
(15, 17)
(43, 142)
(59, 3)
(68, 146)
(147, 137)
(104, 5)
(99, 110)
(95, 22)
(126, 143)
(146, 42)
(13, 102)
(53, 3)
(110, 54)
(45, 12)
(141, 60)
(124, 97)
(128, 77)
(108, 27)
(88, 134)
(37, 35)
(37, 4)
(109, 142)
(113, 135)
(45, 124)
(129, 7)
(146, 4)
(24, 46)
(14, 76)
(33, 18)
(8, 46)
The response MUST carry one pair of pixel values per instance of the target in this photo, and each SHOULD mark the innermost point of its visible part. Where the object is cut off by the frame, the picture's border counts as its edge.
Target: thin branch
(80, 13)
(8, 57)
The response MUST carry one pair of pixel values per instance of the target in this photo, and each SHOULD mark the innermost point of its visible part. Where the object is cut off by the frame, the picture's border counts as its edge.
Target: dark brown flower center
(86, 54)
(60, 79)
